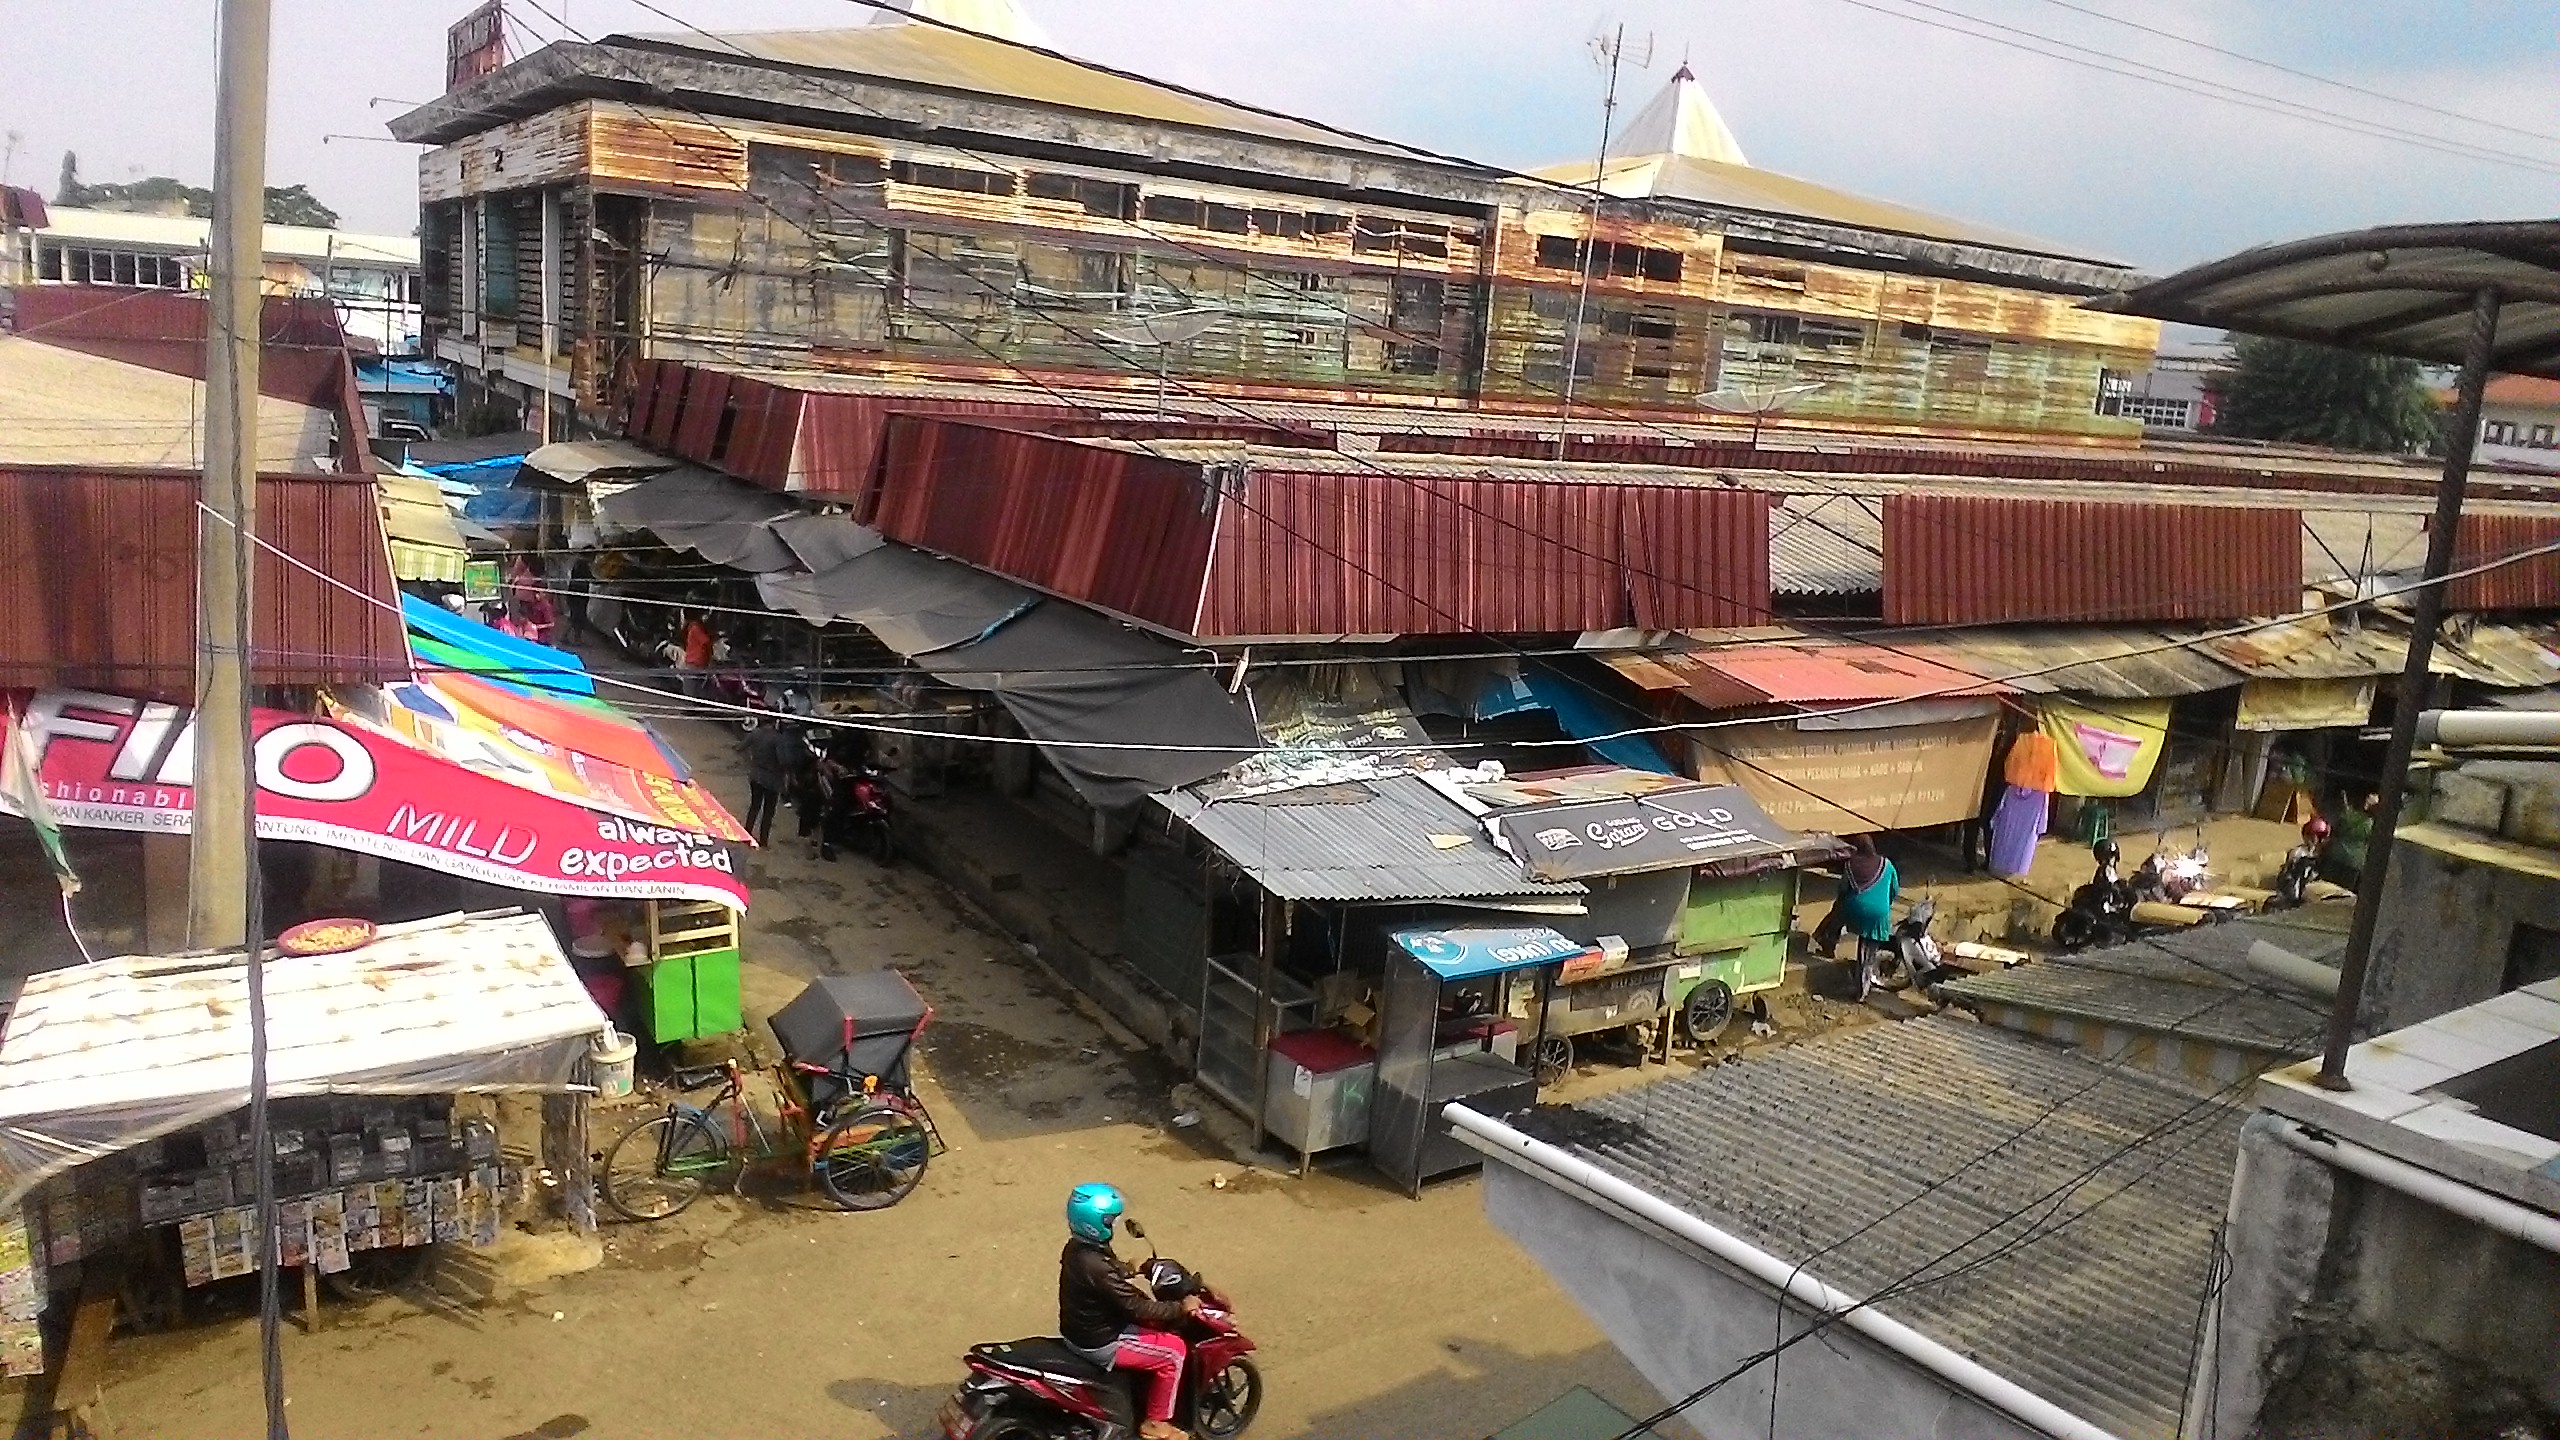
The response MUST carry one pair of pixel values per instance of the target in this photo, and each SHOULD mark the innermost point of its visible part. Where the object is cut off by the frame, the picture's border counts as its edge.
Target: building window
(2500, 432)
(1105, 198)
(952, 177)
(80, 264)
(2542, 437)
(2158, 413)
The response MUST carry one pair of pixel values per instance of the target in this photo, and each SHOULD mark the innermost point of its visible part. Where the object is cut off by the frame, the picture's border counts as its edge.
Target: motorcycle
(1908, 957)
(1039, 1389)
(2301, 867)
(2101, 911)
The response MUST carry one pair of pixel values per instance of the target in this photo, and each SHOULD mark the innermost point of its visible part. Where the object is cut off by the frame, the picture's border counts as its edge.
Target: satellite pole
(1610, 51)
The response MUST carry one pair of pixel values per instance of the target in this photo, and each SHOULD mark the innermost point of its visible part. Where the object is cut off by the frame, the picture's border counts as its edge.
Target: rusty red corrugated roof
(1965, 560)
(1824, 674)
(2525, 584)
(98, 578)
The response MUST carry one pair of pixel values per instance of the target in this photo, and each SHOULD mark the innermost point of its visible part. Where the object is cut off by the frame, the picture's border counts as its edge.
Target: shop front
(406, 1064)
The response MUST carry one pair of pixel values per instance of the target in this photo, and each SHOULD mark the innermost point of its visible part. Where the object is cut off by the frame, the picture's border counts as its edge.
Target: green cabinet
(1735, 914)
(691, 996)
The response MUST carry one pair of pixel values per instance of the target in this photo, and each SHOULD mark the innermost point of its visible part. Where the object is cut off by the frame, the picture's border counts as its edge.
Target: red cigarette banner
(111, 762)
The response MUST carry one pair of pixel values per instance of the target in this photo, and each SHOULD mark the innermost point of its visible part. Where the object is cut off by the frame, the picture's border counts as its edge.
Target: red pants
(1159, 1356)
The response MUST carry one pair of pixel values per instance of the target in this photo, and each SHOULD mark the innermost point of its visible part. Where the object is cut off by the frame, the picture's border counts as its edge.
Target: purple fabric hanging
(2016, 824)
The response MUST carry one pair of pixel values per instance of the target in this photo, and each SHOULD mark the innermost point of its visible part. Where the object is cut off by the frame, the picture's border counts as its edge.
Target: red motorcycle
(1039, 1389)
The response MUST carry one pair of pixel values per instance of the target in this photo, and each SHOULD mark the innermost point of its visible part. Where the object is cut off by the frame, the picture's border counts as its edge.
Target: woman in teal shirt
(1865, 904)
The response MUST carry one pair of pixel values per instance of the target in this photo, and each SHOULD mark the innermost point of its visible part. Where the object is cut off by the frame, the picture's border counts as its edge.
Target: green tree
(163, 195)
(2287, 390)
(295, 205)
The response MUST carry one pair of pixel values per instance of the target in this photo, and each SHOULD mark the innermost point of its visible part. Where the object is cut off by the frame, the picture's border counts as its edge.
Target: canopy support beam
(2461, 433)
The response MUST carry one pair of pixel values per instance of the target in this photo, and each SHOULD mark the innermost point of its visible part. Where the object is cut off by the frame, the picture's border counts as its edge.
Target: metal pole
(1590, 240)
(222, 896)
(2461, 433)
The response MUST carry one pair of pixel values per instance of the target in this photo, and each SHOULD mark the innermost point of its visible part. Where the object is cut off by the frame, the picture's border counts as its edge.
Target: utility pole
(1611, 51)
(222, 870)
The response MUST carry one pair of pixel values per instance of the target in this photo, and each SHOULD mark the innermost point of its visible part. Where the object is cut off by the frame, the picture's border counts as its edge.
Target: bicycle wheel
(873, 1158)
(659, 1166)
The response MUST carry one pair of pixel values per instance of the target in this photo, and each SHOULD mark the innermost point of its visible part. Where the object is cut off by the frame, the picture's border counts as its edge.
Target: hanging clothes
(2035, 762)
(2016, 825)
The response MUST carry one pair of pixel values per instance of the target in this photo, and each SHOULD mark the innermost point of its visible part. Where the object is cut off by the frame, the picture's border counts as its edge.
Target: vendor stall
(1446, 1033)
(1692, 891)
(123, 1085)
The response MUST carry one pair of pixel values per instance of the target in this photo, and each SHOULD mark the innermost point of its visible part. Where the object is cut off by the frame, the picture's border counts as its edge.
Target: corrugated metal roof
(1829, 544)
(2518, 656)
(1846, 672)
(2114, 663)
(2190, 983)
(2532, 584)
(1962, 560)
(1400, 839)
(65, 407)
(98, 576)
(1800, 1149)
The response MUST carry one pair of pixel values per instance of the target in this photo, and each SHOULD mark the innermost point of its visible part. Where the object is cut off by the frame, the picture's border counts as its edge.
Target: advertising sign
(112, 762)
(1710, 825)
(1457, 954)
(475, 45)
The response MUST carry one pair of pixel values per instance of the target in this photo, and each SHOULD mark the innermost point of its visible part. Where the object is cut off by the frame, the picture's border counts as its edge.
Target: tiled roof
(2121, 1179)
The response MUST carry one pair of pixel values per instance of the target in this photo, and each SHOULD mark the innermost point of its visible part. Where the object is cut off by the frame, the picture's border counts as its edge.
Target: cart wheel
(1553, 1059)
(872, 1159)
(1706, 1013)
(660, 1165)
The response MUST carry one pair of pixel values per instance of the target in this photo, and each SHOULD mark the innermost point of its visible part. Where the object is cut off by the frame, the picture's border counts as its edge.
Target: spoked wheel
(660, 1166)
(1706, 1013)
(1552, 1060)
(1229, 1400)
(872, 1159)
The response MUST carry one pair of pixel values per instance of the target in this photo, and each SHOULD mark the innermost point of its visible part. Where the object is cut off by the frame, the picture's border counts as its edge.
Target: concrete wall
(2441, 940)
(1683, 1321)
(2354, 1311)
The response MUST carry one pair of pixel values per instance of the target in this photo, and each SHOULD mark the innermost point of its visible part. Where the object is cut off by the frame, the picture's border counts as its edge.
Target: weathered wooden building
(909, 199)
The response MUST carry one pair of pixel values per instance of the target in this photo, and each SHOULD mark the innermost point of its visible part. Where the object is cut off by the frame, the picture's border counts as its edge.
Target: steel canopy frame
(2409, 290)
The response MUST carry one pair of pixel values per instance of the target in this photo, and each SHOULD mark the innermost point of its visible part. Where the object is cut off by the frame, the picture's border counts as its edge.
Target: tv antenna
(1612, 54)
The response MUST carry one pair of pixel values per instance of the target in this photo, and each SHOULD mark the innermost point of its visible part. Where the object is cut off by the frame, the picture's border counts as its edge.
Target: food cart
(1692, 890)
(125, 1168)
(1446, 1032)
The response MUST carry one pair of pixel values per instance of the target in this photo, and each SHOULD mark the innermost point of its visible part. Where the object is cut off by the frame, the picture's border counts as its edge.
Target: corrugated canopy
(1383, 840)
(1815, 673)
(2396, 289)
(2110, 663)
(103, 1056)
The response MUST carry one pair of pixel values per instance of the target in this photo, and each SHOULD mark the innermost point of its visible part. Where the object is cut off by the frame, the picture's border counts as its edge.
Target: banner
(111, 762)
(1852, 782)
(2305, 704)
(429, 719)
(2105, 752)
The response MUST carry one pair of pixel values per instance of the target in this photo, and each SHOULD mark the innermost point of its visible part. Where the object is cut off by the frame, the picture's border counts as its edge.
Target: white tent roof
(1681, 121)
(99, 1057)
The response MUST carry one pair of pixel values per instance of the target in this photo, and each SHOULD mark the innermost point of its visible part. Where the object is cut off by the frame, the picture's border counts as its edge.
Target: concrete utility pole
(219, 858)
(222, 871)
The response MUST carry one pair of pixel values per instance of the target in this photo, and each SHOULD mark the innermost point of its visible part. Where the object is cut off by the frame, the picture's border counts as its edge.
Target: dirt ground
(770, 1315)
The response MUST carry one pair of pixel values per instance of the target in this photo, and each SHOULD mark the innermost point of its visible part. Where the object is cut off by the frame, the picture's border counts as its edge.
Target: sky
(1882, 97)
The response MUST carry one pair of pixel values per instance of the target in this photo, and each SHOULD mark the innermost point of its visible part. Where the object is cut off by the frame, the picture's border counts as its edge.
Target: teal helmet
(1092, 1210)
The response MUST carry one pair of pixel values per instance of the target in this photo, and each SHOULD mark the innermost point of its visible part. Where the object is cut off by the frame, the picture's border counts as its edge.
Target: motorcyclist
(1107, 1316)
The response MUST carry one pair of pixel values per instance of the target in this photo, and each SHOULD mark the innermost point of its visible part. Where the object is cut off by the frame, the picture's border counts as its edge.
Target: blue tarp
(522, 661)
(403, 377)
(1463, 953)
(1585, 713)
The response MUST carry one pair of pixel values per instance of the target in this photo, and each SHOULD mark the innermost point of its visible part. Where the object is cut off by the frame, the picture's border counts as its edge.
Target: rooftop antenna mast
(1610, 53)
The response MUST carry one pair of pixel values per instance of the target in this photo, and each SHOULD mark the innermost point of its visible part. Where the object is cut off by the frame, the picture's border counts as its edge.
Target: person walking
(769, 766)
(693, 662)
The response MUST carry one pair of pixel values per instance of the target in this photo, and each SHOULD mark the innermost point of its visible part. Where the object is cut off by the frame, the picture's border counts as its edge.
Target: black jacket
(1098, 1298)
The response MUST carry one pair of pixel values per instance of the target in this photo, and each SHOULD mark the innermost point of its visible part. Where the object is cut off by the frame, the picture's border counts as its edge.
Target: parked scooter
(2301, 866)
(1908, 957)
(1038, 1389)
(2101, 911)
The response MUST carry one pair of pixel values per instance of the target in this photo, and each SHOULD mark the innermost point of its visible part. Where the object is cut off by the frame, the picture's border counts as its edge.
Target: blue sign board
(1458, 954)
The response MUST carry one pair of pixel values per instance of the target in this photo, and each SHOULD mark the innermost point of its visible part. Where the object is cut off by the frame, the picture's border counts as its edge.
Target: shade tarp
(1852, 782)
(721, 520)
(2108, 752)
(1077, 682)
(825, 541)
(913, 601)
(573, 462)
(99, 1057)
(492, 652)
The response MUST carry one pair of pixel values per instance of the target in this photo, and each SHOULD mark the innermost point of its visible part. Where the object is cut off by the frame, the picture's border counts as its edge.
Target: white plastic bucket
(612, 1059)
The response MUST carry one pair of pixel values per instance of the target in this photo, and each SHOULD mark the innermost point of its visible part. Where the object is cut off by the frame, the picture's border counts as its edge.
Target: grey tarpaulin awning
(1071, 678)
(574, 462)
(1069, 675)
(1388, 839)
(727, 523)
(914, 602)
